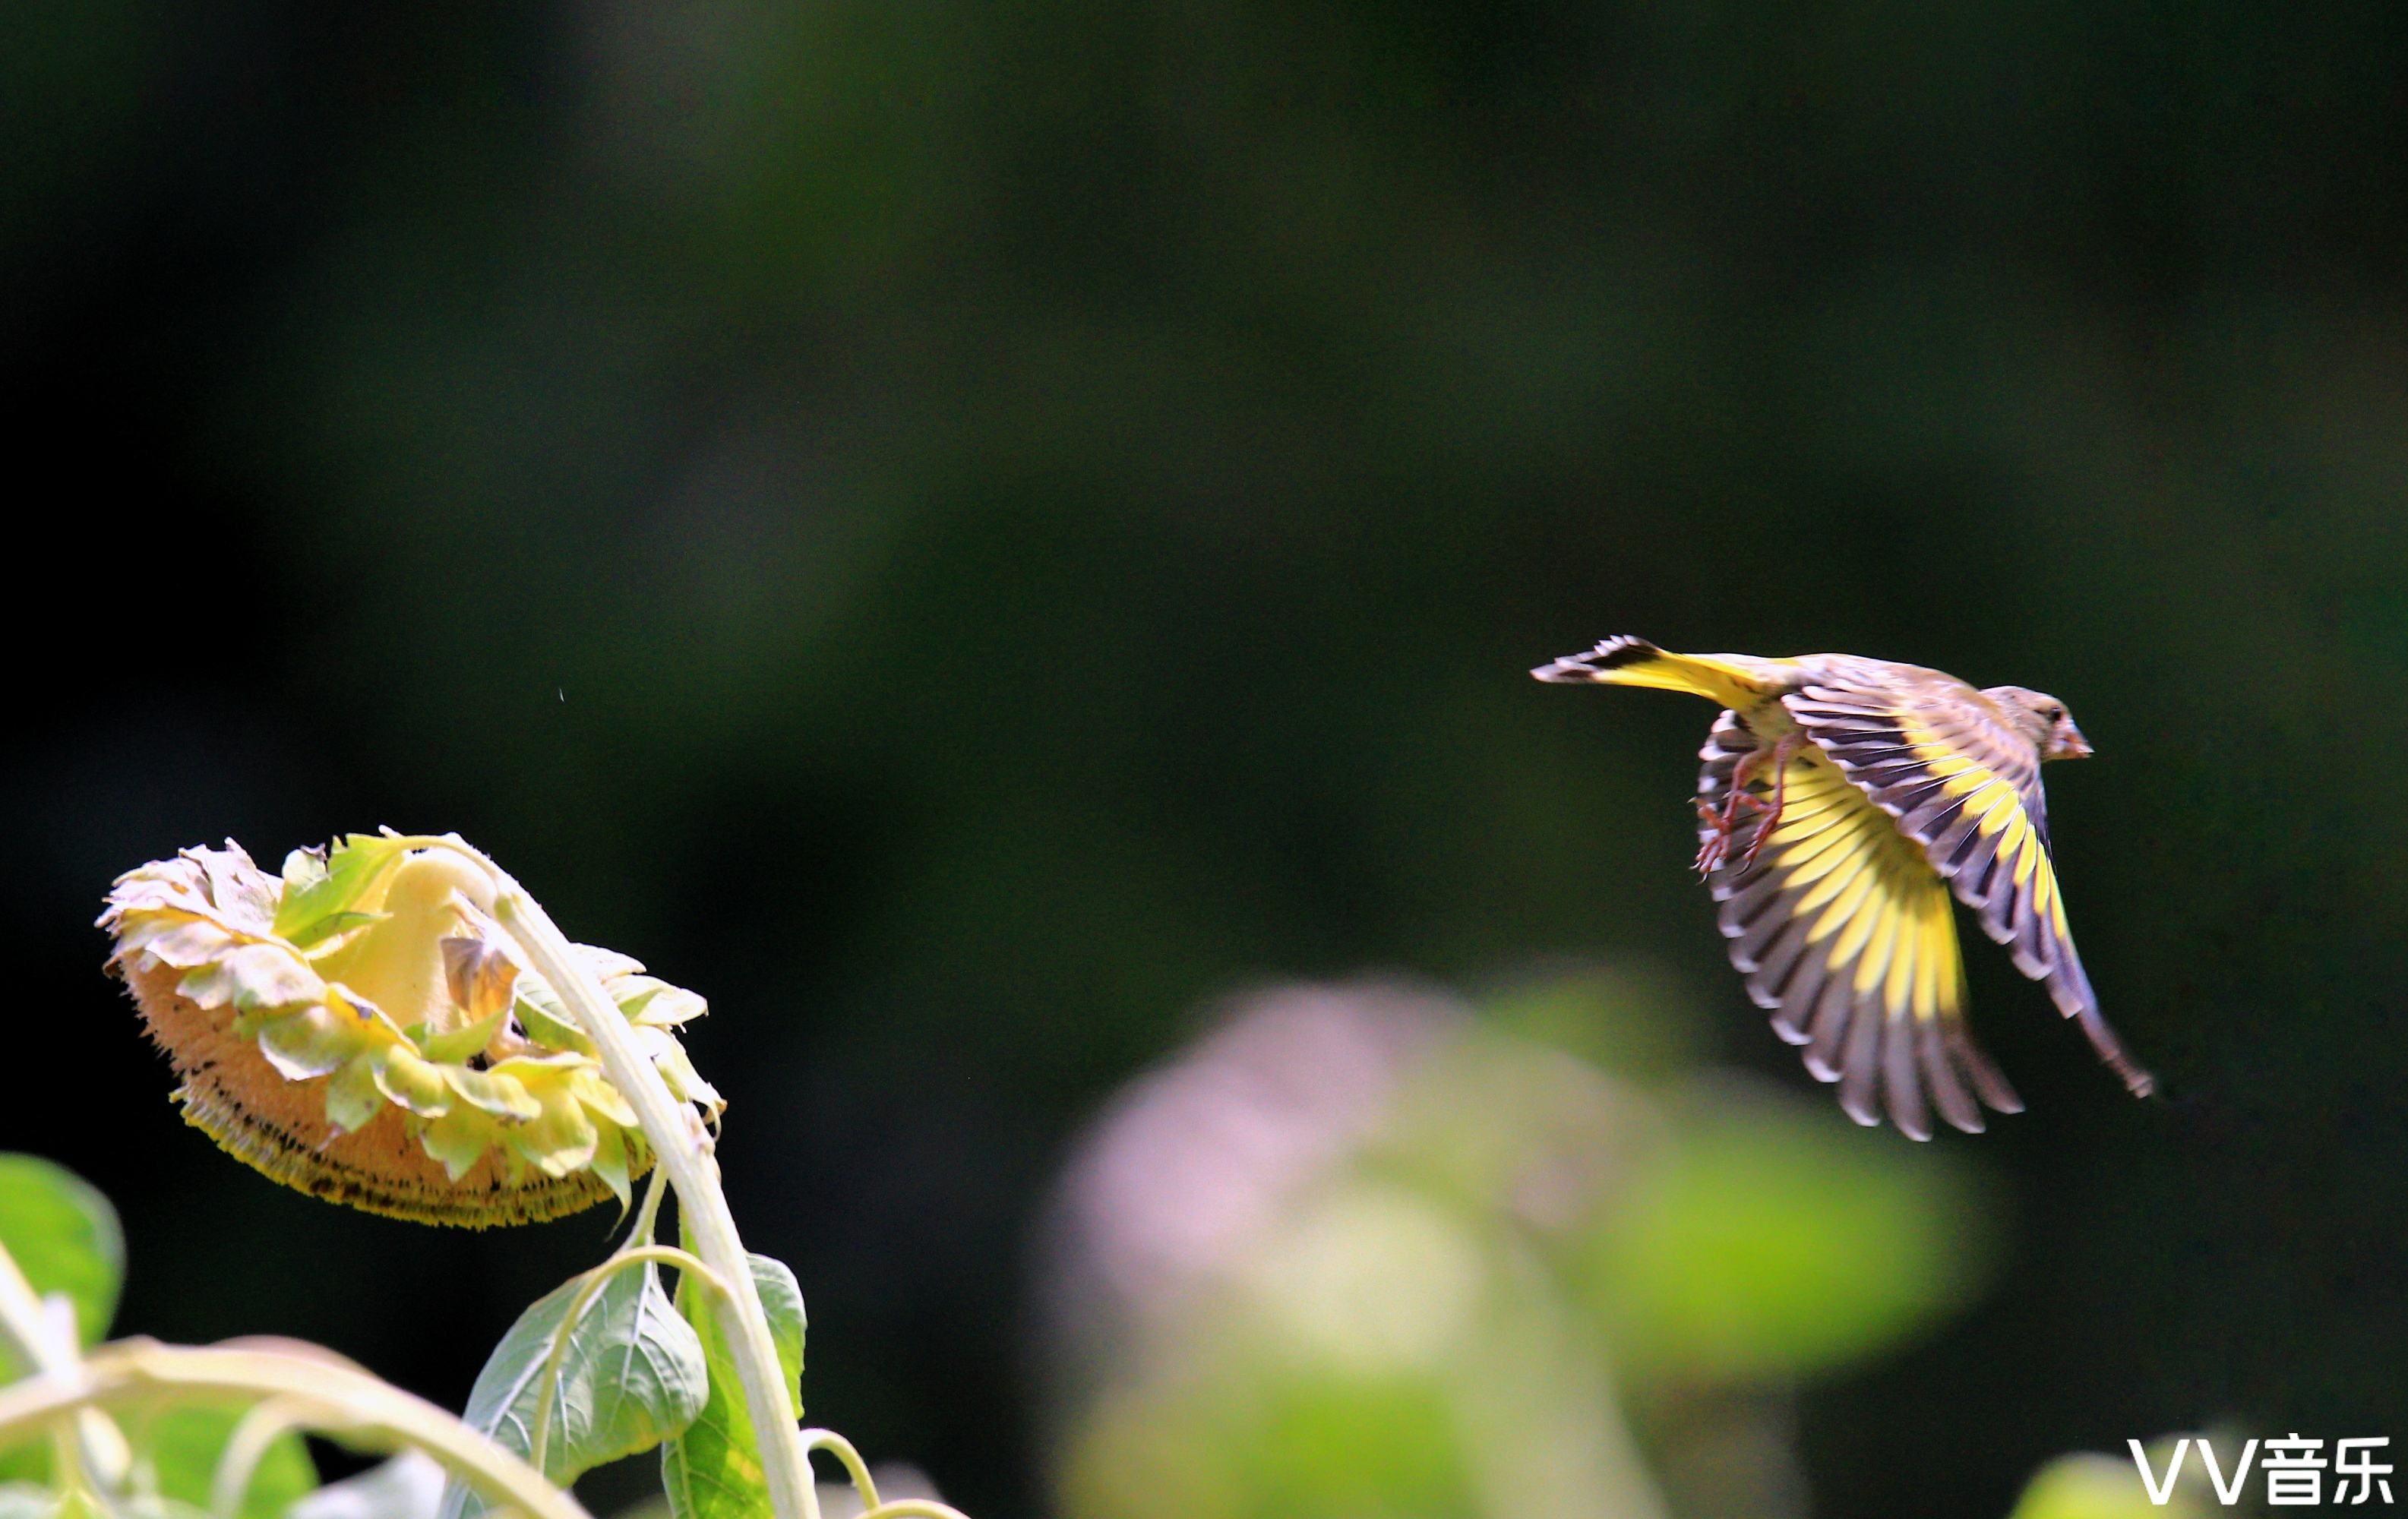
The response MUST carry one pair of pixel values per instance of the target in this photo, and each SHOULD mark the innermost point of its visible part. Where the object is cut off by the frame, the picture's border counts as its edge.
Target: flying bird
(1843, 800)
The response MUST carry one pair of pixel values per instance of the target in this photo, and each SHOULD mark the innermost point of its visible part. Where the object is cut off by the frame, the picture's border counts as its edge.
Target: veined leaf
(634, 1376)
(319, 894)
(714, 1470)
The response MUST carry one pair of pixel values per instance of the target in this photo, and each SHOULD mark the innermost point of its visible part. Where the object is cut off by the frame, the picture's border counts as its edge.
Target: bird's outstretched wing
(1934, 755)
(1845, 934)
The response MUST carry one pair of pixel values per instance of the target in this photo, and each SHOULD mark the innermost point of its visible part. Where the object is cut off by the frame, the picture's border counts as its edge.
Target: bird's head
(2042, 719)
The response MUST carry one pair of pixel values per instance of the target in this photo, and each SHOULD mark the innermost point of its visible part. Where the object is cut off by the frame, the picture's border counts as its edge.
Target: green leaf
(26, 1463)
(781, 1300)
(65, 1238)
(331, 925)
(634, 1376)
(461, 1043)
(547, 1019)
(184, 1445)
(714, 1471)
(321, 895)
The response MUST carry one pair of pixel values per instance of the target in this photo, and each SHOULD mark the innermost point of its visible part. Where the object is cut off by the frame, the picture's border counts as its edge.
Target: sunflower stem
(683, 1151)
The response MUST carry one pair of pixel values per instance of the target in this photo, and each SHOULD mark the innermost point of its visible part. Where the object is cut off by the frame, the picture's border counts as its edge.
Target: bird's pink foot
(1782, 749)
(1724, 822)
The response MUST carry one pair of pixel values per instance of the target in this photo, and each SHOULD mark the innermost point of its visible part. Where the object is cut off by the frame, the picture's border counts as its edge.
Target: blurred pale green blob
(1516, 1129)
(1766, 1239)
(1253, 1418)
(1375, 1279)
(1252, 1422)
(2092, 1486)
(1629, 1019)
(1319, 1441)
(1388, 1352)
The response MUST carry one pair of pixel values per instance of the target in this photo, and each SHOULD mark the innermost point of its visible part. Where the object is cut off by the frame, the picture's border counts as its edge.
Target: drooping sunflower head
(359, 1028)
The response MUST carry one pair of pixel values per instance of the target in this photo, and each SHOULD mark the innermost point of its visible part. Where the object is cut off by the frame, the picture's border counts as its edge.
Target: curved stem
(900, 1508)
(591, 1283)
(322, 1395)
(856, 1468)
(647, 1212)
(683, 1151)
(914, 1508)
(247, 1447)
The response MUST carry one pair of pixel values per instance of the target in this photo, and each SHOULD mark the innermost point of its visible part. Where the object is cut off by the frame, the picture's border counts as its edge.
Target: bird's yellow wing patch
(1956, 783)
(1965, 788)
(1845, 934)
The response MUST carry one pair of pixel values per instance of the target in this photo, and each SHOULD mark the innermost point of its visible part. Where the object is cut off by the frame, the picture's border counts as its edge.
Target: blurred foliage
(2090, 1486)
(1769, 1243)
(1504, 1283)
(63, 1236)
(965, 532)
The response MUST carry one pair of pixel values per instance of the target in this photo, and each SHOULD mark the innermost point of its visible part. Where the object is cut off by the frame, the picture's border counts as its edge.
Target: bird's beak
(2072, 745)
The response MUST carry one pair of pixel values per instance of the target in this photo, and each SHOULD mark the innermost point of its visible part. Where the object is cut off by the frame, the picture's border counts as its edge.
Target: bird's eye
(2057, 714)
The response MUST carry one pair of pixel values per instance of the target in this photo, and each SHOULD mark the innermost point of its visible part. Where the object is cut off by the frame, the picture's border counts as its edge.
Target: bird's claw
(1725, 820)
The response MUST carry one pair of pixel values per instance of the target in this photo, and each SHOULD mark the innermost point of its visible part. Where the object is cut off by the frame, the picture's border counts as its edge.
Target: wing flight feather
(1846, 935)
(1963, 785)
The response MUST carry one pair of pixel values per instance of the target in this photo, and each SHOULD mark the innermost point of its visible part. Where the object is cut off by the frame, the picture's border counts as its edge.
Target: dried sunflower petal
(560, 1139)
(684, 1083)
(352, 1096)
(495, 1092)
(413, 1083)
(462, 1044)
(312, 1042)
(610, 1144)
(648, 1000)
(481, 977)
(252, 977)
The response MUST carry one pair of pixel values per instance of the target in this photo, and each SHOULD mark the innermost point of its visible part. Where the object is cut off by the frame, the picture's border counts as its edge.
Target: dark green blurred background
(963, 532)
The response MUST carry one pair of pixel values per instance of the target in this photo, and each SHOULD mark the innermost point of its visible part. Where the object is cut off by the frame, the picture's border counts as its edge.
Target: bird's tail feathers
(1634, 662)
(2068, 987)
